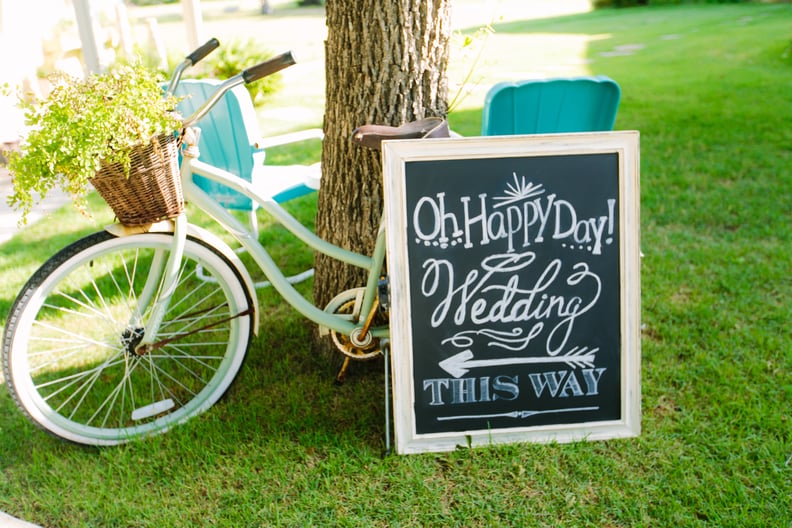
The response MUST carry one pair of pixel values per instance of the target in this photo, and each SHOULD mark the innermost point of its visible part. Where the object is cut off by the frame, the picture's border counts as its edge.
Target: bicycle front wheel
(70, 354)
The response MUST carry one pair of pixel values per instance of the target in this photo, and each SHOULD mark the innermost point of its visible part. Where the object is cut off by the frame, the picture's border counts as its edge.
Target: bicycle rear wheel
(69, 350)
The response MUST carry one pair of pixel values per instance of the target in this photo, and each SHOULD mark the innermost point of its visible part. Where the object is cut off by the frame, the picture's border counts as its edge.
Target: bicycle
(129, 332)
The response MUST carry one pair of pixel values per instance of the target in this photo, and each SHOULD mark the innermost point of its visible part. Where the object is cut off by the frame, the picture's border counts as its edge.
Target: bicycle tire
(69, 355)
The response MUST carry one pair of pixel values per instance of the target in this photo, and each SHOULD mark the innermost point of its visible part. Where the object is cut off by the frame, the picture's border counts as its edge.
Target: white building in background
(75, 36)
(23, 28)
(30, 33)
(42, 36)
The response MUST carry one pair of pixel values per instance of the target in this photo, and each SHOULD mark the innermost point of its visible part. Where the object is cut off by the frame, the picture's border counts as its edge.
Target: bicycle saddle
(372, 136)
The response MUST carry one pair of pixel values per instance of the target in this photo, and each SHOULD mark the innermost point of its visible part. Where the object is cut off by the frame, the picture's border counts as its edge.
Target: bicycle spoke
(74, 345)
(173, 379)
(73, 378)
(109, 401)
(183, 359)
(91, 315)
(128, 294)
(84, 389)
(75, 350)
(164, 390)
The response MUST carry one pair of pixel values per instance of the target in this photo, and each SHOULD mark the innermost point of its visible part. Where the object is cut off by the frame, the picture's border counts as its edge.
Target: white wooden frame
(395, 155)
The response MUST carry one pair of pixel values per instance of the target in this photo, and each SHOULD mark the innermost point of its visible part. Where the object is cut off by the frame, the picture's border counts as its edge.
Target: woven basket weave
(152, 192)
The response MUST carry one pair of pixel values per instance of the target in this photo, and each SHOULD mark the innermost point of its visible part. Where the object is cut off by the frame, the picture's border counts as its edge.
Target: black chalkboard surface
(515, 293)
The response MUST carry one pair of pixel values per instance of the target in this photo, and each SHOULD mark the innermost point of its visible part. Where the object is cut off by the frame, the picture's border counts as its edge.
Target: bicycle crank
(361, 345)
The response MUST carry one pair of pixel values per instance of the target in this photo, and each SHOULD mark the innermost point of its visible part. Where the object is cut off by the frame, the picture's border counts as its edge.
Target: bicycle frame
(373, 264)
(131, 331)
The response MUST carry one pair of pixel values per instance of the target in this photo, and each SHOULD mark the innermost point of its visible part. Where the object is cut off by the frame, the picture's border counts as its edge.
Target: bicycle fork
(159, 287)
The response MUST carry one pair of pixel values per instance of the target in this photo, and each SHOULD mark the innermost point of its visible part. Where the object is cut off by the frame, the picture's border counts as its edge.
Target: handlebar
(190, 60)
(254, 73)
(210, 45)
(275, 64)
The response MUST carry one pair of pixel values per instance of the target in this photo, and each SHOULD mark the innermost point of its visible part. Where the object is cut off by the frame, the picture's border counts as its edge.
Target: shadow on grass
(282, 395)
(285, 390)
(16, 430)
(24, 254)
(33, 244)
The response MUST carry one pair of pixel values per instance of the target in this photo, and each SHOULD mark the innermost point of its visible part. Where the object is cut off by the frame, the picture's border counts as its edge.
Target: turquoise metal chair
(231, 140)
(545, 106)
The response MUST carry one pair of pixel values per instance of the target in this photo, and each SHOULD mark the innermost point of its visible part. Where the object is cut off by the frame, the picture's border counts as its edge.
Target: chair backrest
(577, 104)
(228, 136)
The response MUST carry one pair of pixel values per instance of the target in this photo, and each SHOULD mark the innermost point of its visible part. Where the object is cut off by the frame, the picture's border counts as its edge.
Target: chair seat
(286, 182)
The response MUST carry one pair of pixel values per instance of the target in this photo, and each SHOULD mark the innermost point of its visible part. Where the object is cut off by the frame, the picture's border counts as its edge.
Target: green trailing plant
(83, 123)
(470, 48)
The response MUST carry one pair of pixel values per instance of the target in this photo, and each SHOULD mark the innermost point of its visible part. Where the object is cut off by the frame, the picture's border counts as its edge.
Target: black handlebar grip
(275, 64)
(211, 45)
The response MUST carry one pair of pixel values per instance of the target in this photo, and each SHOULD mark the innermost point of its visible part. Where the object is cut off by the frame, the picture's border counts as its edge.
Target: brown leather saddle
(372, 136)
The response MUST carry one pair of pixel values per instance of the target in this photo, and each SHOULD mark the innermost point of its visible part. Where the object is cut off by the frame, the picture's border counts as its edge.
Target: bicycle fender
(209, 238)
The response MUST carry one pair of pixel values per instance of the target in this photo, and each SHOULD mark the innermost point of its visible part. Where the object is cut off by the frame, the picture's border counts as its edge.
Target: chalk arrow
(460, 364)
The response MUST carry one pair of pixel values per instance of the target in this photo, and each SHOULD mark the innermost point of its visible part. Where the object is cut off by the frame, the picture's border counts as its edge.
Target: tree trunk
(386, 64)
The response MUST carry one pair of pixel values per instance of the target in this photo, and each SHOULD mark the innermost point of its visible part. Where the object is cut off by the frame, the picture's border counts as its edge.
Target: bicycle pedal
(341, 375)
(383, 291)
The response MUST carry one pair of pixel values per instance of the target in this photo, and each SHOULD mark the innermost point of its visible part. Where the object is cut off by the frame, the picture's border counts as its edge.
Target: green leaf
(82, 122)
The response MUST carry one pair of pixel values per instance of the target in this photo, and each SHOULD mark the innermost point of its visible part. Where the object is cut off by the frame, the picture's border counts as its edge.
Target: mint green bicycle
(128, 332)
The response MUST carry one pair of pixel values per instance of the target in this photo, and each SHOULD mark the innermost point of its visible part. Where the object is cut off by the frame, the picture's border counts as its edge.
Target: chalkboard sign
(515, 290)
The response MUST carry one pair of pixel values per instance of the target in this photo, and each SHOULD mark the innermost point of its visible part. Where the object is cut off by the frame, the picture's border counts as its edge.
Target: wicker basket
(152, 192)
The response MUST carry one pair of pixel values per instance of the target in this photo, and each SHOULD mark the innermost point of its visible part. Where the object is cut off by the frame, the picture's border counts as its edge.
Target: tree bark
(386, 63)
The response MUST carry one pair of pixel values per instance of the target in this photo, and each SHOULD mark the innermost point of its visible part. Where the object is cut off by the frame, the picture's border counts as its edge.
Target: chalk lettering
(455, 391)
(591, 378)
(565, 383)
(527, 218)
(480, 218)
(435, 386)
(495, 294)
(505, 388)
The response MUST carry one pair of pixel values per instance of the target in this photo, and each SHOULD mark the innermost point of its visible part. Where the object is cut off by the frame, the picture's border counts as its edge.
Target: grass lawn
(710, 89)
